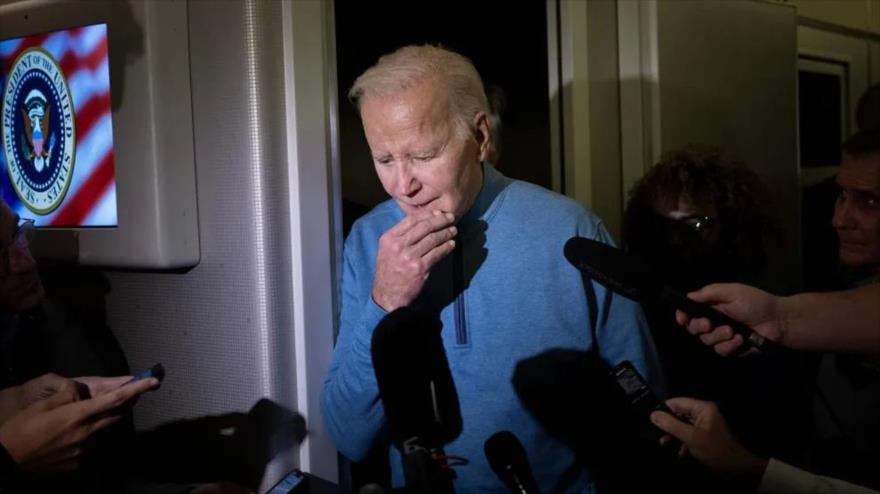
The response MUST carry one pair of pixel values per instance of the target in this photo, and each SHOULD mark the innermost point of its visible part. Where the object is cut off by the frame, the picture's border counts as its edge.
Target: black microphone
(631, 276)
(508, 460)
(418, 394)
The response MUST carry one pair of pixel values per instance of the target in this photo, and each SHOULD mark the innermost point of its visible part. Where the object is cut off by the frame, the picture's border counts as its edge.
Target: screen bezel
(38, 216)
(157, 213)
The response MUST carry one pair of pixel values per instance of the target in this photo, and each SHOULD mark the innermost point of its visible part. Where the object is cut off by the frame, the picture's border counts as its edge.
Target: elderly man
(483, 250)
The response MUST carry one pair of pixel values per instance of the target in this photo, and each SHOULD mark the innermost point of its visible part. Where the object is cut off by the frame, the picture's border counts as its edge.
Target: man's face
(20, 286)
(857, 211)
(422, 162)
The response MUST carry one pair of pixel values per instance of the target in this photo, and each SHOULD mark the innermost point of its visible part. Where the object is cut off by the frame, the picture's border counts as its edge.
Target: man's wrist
(787, 311)
(379, 302)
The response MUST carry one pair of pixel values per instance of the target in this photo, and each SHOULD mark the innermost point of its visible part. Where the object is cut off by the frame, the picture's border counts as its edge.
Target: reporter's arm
(704, 434)
(846, 321)
(782, 478)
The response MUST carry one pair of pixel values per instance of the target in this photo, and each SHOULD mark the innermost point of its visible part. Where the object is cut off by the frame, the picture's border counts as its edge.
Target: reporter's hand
(100, 385)
(16, 398)
(407, 252)
(47, 436)
(755, 308)
(706, 436)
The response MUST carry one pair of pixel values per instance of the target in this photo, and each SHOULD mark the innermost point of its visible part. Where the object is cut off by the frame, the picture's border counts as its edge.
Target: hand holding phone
(640, 399)
(157, 371)
(292, 483)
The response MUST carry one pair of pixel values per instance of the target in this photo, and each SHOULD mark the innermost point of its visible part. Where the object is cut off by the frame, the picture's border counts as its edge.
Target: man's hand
(47, 435)
(407, 252)
(756, 308)
(706, 436)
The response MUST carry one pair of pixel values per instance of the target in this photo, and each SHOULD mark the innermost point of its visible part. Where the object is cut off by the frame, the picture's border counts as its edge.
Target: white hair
(410, 66)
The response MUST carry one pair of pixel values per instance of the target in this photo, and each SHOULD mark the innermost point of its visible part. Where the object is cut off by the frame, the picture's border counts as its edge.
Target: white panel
(855, 14)
(554, 87)
(875, 60)
(309, 89)
(590, 107)
(575, 109)
(639, 90)
(634, 161)
(225, 329)
(727, 73)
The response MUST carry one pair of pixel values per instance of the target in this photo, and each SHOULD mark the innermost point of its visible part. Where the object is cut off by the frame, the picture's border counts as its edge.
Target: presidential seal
(39, 134)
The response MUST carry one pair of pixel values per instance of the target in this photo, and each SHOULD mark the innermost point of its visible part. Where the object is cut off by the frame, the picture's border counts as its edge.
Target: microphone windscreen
(415, 383)
(618, 270)
(507, 458)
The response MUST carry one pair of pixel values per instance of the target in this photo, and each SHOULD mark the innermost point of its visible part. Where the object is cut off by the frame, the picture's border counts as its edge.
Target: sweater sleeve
(621, 329)
(781, 478)
(350, 405)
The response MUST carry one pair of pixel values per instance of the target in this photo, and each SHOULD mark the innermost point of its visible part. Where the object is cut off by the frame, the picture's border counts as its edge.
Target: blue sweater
(520, 298)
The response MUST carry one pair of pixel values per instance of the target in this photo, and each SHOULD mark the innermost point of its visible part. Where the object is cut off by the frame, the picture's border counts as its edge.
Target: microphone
(632, 277)
(418, 394)
(508, 460)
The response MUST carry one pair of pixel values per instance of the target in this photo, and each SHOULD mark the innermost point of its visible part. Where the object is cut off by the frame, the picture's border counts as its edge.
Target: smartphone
(293, 482)
(157, 371)
(640, 400)
(638, 394)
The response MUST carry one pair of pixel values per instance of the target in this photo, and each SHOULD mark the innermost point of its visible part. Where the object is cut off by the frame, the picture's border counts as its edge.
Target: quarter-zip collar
(484, 205)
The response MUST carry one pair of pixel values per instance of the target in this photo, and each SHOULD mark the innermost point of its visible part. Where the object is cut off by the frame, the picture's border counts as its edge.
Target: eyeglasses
(697, 223)
(693, 224)
(21, 238)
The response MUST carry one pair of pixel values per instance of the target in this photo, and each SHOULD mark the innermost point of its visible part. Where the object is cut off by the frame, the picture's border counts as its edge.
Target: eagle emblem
(38, 131)
(37, 142)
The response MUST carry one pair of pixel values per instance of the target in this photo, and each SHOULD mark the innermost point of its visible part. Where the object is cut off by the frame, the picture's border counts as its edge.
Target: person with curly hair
(700, 216)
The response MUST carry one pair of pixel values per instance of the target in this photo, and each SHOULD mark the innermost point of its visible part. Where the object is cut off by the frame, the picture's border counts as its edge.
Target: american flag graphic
(81, 53)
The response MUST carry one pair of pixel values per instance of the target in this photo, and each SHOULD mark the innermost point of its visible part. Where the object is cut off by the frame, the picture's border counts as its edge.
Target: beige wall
(855, 14)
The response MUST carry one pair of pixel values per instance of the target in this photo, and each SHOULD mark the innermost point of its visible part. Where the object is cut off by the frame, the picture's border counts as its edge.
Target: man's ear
(482, 134)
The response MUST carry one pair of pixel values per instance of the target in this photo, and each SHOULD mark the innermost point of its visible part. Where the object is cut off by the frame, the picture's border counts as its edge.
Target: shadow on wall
(234, 447)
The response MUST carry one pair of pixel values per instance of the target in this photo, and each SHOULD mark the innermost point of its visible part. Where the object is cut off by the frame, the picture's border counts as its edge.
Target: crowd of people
(483, 254)
(482, 251)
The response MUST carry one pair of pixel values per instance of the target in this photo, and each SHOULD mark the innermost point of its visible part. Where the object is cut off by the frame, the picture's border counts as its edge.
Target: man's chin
(854, 259)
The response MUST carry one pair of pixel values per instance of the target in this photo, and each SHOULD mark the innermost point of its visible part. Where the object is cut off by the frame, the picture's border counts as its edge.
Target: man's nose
(405, 183)
(843, 213)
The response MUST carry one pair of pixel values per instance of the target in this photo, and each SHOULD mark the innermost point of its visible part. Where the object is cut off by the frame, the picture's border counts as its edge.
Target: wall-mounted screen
(57, 133)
